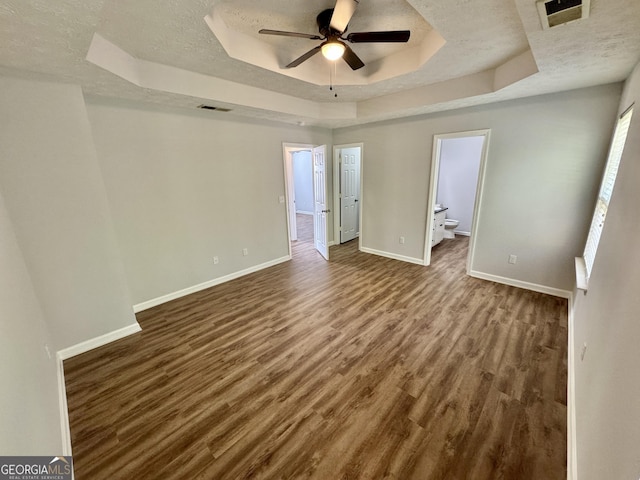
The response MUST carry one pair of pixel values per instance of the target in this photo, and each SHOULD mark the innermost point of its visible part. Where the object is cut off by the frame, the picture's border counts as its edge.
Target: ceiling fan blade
(352, 59)
(304, 57)
(265, 31)
(342, 14)
(399, 36)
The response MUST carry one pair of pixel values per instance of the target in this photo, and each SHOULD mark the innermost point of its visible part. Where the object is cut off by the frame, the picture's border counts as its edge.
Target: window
(606, 190)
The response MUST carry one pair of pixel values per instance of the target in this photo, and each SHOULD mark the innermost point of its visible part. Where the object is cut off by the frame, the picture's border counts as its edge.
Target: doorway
(457, 176)
(302, 166)
(306, 196)
(347, 190)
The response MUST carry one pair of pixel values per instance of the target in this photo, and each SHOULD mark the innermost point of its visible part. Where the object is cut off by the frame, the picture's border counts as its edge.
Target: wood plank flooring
(357, 368)
(304, 224)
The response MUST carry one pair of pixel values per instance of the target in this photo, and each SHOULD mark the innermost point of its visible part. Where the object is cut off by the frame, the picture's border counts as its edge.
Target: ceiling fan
(332, 25)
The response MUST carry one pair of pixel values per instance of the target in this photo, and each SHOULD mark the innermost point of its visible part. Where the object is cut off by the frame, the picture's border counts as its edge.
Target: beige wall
(53, 190)
(187, 186)
(607, 319)
(29, 415)
(544, 161)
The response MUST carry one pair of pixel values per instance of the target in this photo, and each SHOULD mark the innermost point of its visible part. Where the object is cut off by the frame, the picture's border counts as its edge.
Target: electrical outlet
(281, 198)
(216, 260)
(513, 259)
(401, 240)
(245, 252)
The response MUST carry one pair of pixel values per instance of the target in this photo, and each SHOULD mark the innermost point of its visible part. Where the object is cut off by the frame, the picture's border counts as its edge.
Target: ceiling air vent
(560, 12)
(209, 107)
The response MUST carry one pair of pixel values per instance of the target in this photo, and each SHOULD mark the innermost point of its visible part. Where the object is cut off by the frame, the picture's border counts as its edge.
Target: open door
(320, 231)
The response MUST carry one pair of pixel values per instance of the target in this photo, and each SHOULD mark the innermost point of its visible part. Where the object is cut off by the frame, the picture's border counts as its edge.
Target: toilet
(449, 226)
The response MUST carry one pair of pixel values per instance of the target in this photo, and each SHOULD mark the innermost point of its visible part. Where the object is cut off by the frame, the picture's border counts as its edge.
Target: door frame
(433, 189)
(336, 191)
(288, 149)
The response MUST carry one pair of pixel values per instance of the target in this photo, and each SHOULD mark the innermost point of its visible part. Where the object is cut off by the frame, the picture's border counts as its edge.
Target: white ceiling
(163, 51)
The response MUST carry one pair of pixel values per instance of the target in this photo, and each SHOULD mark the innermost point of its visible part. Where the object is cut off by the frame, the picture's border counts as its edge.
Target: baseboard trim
(572, 448)
(394, 256)
(98, 341)
(154, 302)
(65, 429)
(556, 292)
(463, 233)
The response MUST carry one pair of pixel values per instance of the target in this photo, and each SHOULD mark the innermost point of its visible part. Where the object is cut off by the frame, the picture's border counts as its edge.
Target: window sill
(582, 281)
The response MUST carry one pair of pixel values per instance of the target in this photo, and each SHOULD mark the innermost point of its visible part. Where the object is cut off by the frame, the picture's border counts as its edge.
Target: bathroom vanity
(439, 215)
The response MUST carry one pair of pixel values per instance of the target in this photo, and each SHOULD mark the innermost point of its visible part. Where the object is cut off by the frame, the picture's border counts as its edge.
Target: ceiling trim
(165, 78)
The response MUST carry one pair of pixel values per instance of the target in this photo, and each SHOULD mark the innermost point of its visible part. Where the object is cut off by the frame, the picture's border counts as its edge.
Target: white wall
(185, 186)
(544, 161)
(303, 181)
(53, 190)
(607, 320)
(458, 178)
(29, 418)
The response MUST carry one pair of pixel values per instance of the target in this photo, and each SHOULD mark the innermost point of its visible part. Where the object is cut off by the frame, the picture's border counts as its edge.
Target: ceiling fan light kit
(332, 25)
(333, 50)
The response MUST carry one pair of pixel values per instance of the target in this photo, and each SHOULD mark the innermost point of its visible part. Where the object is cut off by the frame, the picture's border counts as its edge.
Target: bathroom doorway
(457, 175)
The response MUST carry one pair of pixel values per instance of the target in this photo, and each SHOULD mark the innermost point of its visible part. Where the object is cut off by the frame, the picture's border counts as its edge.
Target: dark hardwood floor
(357, 368)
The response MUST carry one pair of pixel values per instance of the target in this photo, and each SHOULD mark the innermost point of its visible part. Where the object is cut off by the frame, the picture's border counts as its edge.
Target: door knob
(326, 211)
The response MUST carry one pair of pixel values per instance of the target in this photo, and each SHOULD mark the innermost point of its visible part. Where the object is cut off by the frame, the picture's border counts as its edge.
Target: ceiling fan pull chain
(335, 77)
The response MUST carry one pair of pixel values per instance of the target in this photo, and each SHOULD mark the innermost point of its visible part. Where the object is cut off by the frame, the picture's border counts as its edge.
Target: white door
(320, 217)
(349, 192)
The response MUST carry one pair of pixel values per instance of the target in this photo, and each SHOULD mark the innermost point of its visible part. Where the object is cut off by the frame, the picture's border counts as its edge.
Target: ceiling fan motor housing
(332, 31)
(324, 21)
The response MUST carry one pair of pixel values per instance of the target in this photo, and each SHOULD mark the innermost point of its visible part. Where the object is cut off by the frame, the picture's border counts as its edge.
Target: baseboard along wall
(208, 284)
(572, 449)
(65, 429)
(72, 351)
(556, 292)
(394, 256)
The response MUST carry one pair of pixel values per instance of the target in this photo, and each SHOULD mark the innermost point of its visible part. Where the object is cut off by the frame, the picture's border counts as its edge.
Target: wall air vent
(560, 12)
(209, 107)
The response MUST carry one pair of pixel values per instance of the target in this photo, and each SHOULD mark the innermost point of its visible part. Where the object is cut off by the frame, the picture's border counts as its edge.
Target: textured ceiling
(51, 39)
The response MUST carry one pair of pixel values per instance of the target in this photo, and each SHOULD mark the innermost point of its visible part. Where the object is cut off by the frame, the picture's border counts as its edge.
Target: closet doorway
(347, 191)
